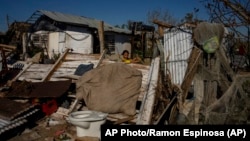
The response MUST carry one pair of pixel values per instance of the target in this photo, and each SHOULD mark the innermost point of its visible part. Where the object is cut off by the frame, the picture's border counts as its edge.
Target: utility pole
(7, 20)
(101, 35)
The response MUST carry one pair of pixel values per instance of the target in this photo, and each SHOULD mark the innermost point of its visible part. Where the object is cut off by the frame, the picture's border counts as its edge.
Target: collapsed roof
(74, 20)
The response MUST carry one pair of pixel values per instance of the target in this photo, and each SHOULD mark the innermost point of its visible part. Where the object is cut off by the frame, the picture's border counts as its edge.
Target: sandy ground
(55, 131)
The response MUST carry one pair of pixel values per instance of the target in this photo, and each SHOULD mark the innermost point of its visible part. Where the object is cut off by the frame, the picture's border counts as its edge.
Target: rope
(81, 39)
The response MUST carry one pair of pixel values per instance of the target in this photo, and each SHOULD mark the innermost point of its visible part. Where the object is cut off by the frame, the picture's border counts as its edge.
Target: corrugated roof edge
(81, 20)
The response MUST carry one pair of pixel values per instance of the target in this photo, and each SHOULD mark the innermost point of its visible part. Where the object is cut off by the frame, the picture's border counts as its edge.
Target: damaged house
(58, 89)
(52, 32)
(190, 81)
(198, 65)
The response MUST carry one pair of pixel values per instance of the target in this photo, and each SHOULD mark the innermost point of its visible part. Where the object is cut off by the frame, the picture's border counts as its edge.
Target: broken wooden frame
(214, 84)
(66, 66)
(146, 110)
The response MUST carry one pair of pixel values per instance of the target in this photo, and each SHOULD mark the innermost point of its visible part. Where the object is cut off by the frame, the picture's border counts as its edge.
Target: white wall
(79, 42)
(121, 43)
(54, 44)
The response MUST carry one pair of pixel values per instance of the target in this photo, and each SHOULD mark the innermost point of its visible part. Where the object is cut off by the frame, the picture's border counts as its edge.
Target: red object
(49, 107)
(242, 50)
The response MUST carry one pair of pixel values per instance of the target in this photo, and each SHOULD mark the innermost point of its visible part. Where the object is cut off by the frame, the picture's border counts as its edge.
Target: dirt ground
(51, 131)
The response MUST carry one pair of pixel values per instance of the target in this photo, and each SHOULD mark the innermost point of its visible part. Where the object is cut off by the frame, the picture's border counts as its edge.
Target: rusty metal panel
(178, 45)
(16, 116)
(48, 89)
(10, 109)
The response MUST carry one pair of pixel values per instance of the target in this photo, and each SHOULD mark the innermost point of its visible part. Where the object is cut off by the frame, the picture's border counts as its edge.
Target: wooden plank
(75, 64)
(25, 68)
(101, 35)
(81, 57)
(32, 75)
(207, 74)
(101, 58)
(61, 71)
(165, 110)
(8, 46)
(199, 95)
(28, 79)
(7, 50)
(191, 70)
(39, 68)
(146, 109)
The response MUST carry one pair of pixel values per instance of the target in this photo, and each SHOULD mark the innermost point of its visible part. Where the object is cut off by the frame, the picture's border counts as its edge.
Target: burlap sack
(112, 88)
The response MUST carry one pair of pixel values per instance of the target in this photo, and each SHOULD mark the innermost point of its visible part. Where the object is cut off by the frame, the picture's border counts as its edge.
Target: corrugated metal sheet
(10, 109)
(178, 44)
(16, 116)
(77, 20)
(72, 19)
(39, 89)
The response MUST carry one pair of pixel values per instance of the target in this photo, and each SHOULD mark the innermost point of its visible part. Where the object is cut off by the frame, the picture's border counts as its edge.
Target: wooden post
(101, 58)
(199, 95)
(147, 106)
(101, 35)
(191, 70)
(161, 31)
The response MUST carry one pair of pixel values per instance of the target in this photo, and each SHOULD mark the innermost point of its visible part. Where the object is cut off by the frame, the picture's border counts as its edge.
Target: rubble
(205, 91)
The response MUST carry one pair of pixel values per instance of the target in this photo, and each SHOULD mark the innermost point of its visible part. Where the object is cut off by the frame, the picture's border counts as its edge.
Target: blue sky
(114, 12)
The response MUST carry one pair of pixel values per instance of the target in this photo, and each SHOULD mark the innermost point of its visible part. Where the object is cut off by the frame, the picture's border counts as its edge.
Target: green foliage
(138, 53)
(56, 56)
(246, 86)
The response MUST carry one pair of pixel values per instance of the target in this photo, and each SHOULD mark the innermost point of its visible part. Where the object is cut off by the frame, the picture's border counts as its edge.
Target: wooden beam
(7, 46)
(191, 70)
(20, 73)
(7, 49)
(101, 35)
(160, 23)
(199, 95)
(161, 26)
(147, 106)
(101, 57)
(161, 30)
(53, 68)
(163, 114)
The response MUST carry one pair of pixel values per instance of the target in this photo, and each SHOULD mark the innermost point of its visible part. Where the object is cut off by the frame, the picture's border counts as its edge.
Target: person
(126, 59)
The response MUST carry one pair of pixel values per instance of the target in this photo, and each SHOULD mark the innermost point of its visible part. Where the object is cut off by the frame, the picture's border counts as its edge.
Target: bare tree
(234, 14)
(160, 15)
(191, 17)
